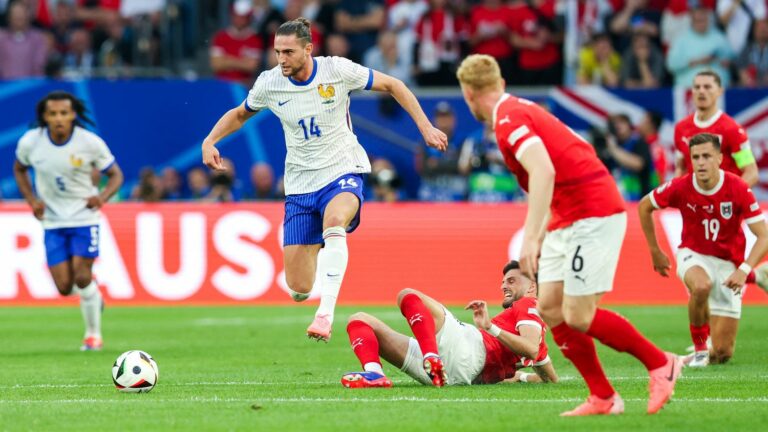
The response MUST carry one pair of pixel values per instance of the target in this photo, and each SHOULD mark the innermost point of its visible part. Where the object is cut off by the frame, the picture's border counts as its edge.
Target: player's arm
(645, 209)
(525, 345)
(749, 173)
(23, 182)
(738, 278)
(385, 83)
(114, 182)
(229, 123)
(541, 186)
(541, 374)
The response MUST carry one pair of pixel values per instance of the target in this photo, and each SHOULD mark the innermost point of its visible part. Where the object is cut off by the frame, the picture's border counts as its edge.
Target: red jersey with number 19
(583, 186)
(711, 218)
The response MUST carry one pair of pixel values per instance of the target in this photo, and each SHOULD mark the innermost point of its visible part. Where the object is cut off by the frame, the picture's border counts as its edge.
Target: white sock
(90, 305)
(332, 264)
(373, 367)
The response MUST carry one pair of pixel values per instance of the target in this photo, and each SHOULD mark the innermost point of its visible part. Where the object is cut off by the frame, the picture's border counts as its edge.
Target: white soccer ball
(135, 372)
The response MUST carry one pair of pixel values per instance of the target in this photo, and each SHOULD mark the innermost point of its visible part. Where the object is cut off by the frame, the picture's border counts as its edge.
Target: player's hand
(529, 257)
(38, 209)
(212, 158)
(94, 202)
(661, 264)
(480, 314)
(736, 281)
(435, 138)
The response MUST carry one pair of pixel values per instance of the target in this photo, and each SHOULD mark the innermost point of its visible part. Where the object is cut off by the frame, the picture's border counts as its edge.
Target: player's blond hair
(479, 72)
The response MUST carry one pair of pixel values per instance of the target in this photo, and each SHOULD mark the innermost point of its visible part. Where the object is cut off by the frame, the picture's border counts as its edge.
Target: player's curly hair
(300, 27)
(77, 105)
(479, 72)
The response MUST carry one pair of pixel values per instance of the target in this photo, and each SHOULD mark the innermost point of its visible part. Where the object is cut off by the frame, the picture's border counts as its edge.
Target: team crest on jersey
(75, 161)
(326, 93)
(726, 210)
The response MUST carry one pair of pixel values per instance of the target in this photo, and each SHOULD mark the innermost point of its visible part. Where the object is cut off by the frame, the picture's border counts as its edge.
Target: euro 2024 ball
(135, 372)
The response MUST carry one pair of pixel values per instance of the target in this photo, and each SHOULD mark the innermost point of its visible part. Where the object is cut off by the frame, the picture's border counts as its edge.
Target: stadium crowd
(615, 43)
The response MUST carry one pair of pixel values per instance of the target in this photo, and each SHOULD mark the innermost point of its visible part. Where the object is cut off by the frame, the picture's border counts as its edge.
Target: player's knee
(299, 285)
(404, 292)
(577, 319)
(360, 316)
(83, 278)
(334, 220)
(64, 286)
(550, 312)
(701, 289)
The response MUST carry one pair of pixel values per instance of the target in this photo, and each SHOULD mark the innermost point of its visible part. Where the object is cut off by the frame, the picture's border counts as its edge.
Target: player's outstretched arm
(25, 188)
(229, 123)
(385, 83)
(645, 209)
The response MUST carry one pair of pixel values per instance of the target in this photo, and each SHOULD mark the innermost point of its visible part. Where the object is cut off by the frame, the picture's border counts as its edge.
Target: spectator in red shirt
(535, 35)
(489, 34)
(440, 34)
(236, 51)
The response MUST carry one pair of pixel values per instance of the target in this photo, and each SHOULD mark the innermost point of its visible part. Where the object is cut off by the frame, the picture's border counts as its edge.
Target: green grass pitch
(251, 368)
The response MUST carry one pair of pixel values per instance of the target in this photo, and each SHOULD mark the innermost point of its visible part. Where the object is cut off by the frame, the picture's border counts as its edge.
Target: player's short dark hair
(713, 74)
(77, 105)
(512, 265)
(704, 138)
(300, 27)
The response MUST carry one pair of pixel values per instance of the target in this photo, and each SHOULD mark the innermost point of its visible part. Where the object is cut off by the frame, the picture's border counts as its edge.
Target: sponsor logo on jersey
(692, 207)
(709, 208)
(75, 161)
(726, 210)
(327, 93)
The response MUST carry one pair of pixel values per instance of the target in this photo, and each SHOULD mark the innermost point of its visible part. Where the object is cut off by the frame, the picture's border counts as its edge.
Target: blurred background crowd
(638, 44)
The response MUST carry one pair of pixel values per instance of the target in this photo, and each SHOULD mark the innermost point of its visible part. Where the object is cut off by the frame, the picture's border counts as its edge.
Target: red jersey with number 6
(583, 186)
(711, 218)
(733, 138)
(500, 362)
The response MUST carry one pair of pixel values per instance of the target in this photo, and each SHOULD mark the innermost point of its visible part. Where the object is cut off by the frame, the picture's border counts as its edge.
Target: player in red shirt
(488, 354)
(710, 260)
(708, 118)
(567, 184)
(236, 51)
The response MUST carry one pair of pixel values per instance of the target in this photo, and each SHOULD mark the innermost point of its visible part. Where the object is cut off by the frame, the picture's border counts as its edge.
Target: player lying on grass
(446, 351)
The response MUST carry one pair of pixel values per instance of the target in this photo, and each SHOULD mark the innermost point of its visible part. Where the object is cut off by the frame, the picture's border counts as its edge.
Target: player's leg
(699, 285)
(426, 317)
(337, 216)
(85, 249)
(57, 253)
(371, 339)
(300, 263)
(724, 331)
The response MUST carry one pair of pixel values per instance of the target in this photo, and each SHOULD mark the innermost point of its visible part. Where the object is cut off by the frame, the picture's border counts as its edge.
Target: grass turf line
(237, 368)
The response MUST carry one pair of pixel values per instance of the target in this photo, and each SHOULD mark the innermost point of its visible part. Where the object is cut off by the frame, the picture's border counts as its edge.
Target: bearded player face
(514, 285)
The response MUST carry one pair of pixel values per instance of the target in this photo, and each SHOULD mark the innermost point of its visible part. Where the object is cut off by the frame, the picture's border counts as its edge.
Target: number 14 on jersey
(314, 129)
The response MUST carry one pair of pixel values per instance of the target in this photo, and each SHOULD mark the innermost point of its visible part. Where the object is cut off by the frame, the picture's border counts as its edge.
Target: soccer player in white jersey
(324, 162)
(63, 156)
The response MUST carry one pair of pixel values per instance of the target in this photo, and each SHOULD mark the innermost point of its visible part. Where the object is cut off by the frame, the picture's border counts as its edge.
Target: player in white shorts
(324, 160)
(493, 351)
(710, 260)
(63, 156)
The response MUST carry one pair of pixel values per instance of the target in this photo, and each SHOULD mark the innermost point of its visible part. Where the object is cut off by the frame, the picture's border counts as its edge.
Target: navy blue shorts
(61, 244)
(303, 223)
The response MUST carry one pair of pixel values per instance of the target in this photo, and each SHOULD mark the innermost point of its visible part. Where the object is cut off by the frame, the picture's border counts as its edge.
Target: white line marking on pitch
(280, 383)
(150, 399)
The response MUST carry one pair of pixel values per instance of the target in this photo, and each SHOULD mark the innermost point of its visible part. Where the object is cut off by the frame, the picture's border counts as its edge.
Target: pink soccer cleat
(433, 366)
(596, 406)
(365, 380)
(662, 384)
(320, 329)
(92, 343)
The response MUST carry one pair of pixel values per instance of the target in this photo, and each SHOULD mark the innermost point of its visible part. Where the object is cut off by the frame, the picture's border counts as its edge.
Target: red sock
(699, 335)
(421, 321)
(364, 342)
(618, 333)
(580, 350)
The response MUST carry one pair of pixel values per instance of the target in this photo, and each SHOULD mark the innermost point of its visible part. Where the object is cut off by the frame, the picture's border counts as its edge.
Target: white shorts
(461, 349)
(584, 255)
(722, 300)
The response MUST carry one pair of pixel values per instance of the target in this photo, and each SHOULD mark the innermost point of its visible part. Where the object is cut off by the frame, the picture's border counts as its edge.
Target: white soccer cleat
(692, 348)
(761, 276)
(699, 359)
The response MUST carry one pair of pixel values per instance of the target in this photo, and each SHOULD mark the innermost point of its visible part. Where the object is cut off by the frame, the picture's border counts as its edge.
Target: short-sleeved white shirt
(63, 179)
(321, 145)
